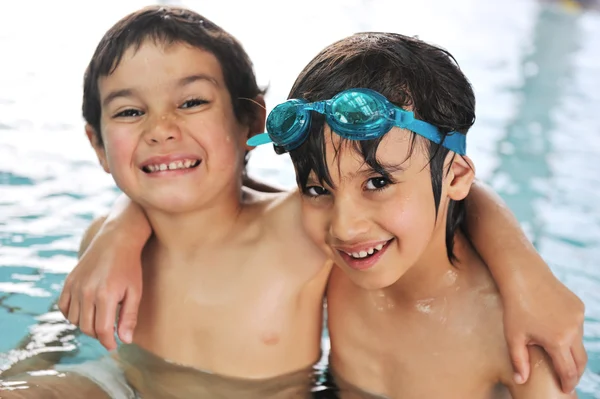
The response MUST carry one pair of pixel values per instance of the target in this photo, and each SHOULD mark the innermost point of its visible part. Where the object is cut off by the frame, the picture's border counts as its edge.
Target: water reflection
(523, 174)
(541, 172)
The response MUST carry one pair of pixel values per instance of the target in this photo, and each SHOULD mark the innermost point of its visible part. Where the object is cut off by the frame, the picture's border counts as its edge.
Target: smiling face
(170, 137)
(376, 226)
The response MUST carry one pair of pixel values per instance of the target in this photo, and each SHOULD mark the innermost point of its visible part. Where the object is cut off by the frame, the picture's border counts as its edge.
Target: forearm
(499, 239)
(128, 219)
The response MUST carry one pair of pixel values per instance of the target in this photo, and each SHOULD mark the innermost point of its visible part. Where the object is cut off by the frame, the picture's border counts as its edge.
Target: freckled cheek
(120, 151)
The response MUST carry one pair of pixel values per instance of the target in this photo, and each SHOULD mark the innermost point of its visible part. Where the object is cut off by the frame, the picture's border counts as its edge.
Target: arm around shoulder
(538, 308)
(126, 219)
(89, 234)
(109, 273)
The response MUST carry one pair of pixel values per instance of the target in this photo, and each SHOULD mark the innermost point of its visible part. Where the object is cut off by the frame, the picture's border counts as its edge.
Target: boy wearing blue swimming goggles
(413, 309)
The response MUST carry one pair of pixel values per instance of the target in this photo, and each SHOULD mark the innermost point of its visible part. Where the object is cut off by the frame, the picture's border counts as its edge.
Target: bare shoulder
(281, 220)
(483, 311)
(282, 211)
(543, 382)
(486, 303)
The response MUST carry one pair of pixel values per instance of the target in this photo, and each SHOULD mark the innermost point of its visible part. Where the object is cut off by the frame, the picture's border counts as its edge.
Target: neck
(433, 276)
(185, 233)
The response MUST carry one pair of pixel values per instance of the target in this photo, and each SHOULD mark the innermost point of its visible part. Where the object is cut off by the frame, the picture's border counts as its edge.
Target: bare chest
(422, 351)
(222, 316)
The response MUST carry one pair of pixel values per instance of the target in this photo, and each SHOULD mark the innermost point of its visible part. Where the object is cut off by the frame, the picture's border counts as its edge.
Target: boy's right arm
(109, 273)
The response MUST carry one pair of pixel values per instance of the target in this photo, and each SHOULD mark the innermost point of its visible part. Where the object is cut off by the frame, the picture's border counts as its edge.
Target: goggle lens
(283, 118)
(357, 109)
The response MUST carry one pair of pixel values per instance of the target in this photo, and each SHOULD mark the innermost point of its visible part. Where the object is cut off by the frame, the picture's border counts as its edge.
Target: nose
(349, 222)
(165, 128)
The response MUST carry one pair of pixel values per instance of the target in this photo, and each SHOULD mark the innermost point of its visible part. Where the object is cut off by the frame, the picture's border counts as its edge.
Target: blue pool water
(535, 68)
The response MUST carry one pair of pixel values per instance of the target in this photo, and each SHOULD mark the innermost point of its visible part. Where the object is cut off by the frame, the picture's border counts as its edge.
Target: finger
(581, 358)
(106, 313)
(65, 298)
(565, 367)
(87, 316)
(64, 301)
(519, 357)
(129, 314)
(73, 313)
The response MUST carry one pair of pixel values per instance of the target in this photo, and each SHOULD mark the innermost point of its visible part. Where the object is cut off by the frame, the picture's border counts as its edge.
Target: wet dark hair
(408, 72)
(168, 25)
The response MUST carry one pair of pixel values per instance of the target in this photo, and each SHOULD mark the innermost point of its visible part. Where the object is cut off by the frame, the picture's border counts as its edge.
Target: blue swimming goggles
(354, 114)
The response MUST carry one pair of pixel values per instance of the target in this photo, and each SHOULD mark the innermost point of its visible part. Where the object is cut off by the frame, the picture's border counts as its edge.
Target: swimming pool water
(534, 66)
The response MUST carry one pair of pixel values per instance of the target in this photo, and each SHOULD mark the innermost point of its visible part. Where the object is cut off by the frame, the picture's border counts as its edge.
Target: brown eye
(129, 113)
(377, 183)
(196, 102)
(315, 191)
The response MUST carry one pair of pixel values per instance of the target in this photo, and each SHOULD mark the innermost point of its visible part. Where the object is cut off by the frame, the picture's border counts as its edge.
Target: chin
(375, 280)
(173, 205)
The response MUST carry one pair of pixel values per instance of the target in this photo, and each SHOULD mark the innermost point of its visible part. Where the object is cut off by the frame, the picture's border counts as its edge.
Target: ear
(257, 125)
(461, 176)
(98, 147)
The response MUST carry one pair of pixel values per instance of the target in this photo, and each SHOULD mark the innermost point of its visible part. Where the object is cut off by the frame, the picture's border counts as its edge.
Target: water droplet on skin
(450, 277)
(424, 305)
(381, 301)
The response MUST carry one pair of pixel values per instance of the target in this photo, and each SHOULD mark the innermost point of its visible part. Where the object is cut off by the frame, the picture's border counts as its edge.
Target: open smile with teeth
(367, 252)
(181, 164)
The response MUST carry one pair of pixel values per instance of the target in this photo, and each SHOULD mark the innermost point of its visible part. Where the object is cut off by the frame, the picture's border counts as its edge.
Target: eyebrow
(387, 168)
(113, 95)
(194, 78)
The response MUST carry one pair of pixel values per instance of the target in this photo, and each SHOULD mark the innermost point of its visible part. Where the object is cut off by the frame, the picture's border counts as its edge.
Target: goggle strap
(259, 139)
(457, 142)
(453, 141)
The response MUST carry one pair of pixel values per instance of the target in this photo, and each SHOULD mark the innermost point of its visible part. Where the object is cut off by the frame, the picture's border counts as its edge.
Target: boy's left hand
(545, 313)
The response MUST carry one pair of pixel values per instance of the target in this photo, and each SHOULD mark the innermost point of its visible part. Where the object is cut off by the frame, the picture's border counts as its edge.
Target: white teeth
(184, 164)
(366, 252)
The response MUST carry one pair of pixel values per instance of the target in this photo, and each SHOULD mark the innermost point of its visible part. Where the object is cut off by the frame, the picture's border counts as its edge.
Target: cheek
(120, 151)
(411, 219)
(222, 141)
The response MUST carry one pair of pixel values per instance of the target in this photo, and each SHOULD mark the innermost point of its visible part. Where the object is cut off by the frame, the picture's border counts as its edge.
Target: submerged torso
(155, 378)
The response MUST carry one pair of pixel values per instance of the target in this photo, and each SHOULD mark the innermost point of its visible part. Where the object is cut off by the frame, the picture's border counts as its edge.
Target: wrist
(131, 235)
